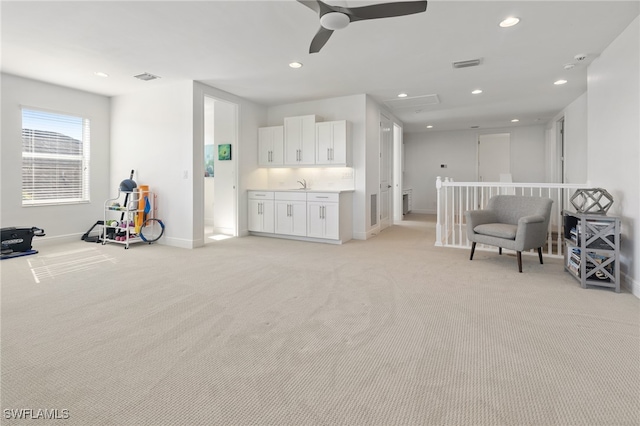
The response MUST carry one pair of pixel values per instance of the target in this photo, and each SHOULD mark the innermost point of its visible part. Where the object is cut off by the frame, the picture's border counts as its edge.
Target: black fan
(335, 17)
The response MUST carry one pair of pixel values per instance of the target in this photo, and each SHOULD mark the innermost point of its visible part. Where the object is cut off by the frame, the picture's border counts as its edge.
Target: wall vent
(374, 209)
(145, 76)
(467, 64)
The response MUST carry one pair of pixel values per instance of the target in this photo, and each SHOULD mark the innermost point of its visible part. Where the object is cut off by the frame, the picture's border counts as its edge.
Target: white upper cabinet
(300, 140)
(332, 145)
(271, 146)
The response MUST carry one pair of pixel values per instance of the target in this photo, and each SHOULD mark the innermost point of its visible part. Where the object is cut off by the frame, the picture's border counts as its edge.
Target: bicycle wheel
(152, 230)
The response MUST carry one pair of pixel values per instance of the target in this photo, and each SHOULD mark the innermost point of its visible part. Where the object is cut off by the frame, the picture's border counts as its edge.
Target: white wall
(152, 133)
(614, 139)
(575, 141)
(425, 152)
(63, 221)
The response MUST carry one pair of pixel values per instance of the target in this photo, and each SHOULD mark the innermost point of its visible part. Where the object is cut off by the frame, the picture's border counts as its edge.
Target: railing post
(438, 213)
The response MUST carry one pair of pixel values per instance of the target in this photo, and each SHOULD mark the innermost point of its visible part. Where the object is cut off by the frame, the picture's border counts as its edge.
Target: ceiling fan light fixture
(334, 20)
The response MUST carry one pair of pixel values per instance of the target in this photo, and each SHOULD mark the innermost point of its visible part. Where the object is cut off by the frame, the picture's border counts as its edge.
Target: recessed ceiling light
(477, 92)
(509, 22)
(101, 74)
(515, 120)
(429, 126)
(402, 95)
(295, 65)
(569, 66)
(560, 82)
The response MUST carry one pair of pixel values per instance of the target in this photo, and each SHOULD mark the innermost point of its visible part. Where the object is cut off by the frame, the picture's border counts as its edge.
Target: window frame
(28, 198)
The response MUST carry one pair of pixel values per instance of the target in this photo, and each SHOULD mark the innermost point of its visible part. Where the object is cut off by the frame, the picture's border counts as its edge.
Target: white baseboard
(630, 284)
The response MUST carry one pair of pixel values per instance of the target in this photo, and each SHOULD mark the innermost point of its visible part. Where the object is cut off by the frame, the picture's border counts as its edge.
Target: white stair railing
(454, 198)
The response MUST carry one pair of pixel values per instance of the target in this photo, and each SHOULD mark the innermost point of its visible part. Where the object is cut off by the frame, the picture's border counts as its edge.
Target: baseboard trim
(630, 284)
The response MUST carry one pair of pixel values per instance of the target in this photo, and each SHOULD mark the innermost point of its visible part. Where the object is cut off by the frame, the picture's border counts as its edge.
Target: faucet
(303, 182)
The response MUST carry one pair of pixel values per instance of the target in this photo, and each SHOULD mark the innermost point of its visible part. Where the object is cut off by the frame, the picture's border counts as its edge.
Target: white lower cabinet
(323, 216)
(291, 213)
(310, 216)
(261, 211)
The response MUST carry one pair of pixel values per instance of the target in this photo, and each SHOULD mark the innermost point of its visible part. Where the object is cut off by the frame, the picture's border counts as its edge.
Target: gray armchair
(510, 221)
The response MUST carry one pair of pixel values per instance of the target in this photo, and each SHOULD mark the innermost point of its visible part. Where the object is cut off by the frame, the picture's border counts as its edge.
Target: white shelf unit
(127, 208)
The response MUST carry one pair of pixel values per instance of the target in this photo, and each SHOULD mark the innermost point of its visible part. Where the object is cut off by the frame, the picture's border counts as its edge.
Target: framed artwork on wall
(224, 152)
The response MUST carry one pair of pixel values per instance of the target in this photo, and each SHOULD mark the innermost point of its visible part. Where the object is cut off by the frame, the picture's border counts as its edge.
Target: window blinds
(55, 158)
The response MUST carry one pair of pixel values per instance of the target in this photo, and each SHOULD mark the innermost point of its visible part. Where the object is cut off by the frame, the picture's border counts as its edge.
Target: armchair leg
(540, 254)
(500, 250)
(520, 261)
(473, 248)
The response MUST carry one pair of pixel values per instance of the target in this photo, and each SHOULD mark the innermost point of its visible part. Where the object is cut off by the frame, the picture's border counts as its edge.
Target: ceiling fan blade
(386, 10)
(320, 39)
(311, 4)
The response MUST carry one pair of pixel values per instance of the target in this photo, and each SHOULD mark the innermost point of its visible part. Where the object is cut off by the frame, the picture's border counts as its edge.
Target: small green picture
(224, 152)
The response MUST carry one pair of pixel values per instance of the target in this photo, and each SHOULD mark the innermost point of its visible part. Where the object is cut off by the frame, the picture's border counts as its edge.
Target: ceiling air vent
(412, 102)
(467, 64)
(145, 76)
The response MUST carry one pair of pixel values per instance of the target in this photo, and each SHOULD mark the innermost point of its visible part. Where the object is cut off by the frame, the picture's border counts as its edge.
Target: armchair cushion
(500, 230)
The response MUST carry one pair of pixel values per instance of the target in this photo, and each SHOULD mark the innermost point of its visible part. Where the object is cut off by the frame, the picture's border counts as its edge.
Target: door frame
(234, 159)
(384, 120)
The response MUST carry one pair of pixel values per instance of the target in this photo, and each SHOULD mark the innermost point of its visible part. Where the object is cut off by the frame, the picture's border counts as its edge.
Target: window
(55, 158)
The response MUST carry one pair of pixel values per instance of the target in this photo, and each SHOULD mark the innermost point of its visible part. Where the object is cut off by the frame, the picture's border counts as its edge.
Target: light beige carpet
(390, 331)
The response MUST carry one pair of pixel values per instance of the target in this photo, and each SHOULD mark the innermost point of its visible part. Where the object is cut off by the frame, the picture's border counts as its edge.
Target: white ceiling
(244, 47)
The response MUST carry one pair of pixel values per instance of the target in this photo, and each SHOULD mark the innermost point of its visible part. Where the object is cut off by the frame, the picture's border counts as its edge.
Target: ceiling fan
(336, 17)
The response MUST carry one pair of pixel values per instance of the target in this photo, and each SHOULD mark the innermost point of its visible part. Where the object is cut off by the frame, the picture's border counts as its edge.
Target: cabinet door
(267, 216)
(261, 216)
(299, 218)
(315, 222)
(291, 218)
(271, 146)
(331, 216)
(308, 148)
(292, 140)
(340, 146)
(282, 218)
(324, 142)
(323, 220)
(300, 140)
(331, 142)
(255, 219)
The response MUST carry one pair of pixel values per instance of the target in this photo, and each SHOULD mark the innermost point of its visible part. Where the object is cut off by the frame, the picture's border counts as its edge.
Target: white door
(386, 139)
(494, 156)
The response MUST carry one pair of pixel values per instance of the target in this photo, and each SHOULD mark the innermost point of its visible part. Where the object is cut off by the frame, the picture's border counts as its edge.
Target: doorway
(386, 170)
(494, 157)
(221, 159)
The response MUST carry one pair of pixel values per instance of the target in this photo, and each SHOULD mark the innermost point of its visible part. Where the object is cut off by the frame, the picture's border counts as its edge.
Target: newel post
(438, 212)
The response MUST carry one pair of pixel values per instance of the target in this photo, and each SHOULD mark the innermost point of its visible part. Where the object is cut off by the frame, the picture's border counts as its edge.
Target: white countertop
(330, 190)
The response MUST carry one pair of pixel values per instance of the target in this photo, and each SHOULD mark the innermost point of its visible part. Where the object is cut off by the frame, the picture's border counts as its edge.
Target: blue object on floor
(18, 254)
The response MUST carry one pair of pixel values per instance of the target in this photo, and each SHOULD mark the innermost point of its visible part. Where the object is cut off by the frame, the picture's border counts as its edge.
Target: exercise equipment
(151, 230)
(17, 241)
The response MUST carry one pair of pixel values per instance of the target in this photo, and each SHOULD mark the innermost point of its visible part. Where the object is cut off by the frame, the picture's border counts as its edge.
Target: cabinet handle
(328, 153)
(324, 212)
(321, 196)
